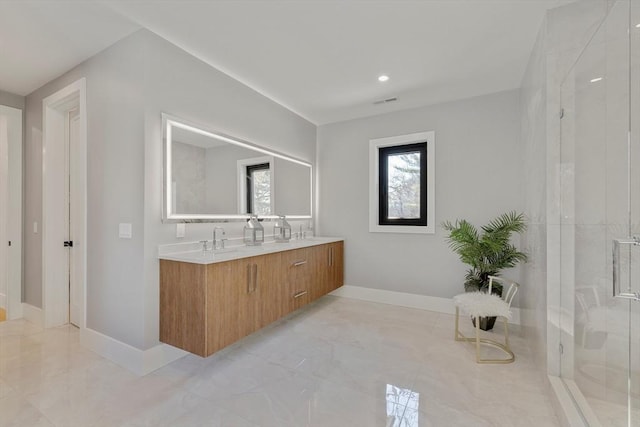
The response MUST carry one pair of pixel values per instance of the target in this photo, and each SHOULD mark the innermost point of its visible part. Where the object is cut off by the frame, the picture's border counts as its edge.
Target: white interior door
(11, 211)
(4, 173)
(71, 149)
(64, 205)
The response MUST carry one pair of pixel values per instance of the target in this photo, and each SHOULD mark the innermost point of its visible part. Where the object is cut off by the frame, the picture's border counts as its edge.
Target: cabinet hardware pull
(255, 277)
(299, 294)
(299, 263)
(249, 278)
(330, 257)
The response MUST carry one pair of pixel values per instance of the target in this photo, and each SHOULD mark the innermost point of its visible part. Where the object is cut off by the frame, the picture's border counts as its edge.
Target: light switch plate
(181, 229)
(35, 227)
(124, 230)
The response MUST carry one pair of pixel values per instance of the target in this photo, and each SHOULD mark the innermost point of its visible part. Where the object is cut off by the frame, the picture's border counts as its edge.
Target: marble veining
(338, 362)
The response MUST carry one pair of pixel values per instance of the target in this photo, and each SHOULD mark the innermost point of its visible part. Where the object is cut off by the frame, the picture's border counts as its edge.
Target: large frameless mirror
(209, 176)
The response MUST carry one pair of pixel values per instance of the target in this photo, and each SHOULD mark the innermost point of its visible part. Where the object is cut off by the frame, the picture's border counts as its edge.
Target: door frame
(13, 301)
(55, 292)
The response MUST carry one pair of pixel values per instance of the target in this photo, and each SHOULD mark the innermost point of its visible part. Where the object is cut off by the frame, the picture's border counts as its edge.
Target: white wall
(478, 177)
(128, 86)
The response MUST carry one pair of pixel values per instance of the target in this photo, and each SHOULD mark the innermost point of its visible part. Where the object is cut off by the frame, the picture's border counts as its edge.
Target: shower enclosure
(600, 223)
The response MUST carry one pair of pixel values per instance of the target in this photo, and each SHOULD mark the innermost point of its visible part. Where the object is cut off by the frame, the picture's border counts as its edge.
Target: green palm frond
(489, 252)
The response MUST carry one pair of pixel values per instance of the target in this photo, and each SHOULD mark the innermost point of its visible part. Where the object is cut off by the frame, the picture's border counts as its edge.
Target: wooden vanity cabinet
(328, 269)
(236, 299)
(183, 314)
(206, 307)
(297, 266)
(336, 266)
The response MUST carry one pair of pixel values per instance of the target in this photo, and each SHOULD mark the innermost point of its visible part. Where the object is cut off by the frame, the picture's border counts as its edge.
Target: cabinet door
(183, 285)
(269, 289)
(232, 302)
(320, 271)
(327, 269)
(336, 266)
(296, 266)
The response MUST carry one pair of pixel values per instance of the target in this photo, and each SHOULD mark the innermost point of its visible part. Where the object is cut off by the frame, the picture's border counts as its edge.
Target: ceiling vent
(385, 101)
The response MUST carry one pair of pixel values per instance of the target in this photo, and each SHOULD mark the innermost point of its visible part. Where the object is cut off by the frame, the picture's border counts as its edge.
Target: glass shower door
(600, 224)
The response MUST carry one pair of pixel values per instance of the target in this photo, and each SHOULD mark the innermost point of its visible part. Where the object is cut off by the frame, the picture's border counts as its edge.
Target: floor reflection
(402, 407)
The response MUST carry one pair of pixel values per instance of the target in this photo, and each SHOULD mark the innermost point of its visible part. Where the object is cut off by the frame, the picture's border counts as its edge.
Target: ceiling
(320, 59)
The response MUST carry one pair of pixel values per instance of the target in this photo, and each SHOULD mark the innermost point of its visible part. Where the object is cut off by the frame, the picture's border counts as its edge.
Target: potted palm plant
(487, 253)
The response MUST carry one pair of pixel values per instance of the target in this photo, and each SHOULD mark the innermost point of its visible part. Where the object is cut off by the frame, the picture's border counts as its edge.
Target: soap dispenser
(281, 230)
(253, 232)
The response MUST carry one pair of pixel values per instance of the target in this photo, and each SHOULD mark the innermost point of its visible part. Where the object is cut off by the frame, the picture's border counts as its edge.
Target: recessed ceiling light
(637, 25)
(597, 79)
(383, 78)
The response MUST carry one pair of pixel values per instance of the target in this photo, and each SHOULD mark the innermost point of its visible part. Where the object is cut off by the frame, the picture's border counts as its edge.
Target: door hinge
(561, 348)
(561, 112)
(68, 243)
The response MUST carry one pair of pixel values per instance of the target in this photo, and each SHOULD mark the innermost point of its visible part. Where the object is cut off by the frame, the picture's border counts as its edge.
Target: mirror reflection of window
(259, 189)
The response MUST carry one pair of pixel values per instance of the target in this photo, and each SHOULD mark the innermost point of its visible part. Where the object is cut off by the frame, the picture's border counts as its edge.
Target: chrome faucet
(218, 242)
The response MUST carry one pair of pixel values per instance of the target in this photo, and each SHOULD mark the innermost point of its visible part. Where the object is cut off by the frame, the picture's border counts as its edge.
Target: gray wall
(115, 189)
(293, 181)
(128, 86)
(12, 100)
(478, 176)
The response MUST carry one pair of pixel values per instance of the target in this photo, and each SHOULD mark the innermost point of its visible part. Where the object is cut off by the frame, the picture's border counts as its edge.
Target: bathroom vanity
(209, 300)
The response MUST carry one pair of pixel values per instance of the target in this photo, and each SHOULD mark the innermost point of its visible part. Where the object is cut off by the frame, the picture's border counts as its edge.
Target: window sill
(402, 229)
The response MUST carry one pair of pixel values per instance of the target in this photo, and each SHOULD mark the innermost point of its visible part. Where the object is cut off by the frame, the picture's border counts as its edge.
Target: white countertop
(186, 252)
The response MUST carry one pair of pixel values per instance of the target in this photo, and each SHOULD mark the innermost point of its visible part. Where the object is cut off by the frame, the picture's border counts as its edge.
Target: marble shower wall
(563, 34)
(597, 145)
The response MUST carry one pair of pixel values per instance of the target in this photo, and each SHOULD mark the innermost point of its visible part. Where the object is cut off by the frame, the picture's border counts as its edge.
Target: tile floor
(339, 362)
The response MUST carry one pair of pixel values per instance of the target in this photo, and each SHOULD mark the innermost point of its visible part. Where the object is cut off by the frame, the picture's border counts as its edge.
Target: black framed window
(403, 184)
(258, 189)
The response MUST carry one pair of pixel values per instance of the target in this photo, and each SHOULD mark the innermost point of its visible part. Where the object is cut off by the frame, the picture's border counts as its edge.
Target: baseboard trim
(33, 314)
(140, 362)
(15, 312)
(404, 299)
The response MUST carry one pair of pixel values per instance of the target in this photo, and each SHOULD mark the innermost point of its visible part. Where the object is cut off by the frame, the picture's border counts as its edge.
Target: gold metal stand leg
(477, 340)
